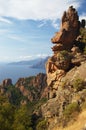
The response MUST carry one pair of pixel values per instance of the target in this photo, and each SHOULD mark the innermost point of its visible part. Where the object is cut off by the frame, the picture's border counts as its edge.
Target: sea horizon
(14, 72)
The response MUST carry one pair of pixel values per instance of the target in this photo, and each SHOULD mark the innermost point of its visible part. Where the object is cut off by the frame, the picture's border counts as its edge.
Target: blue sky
(26, 26)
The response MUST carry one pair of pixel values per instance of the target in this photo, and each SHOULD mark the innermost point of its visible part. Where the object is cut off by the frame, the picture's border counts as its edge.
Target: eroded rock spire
(60, 62)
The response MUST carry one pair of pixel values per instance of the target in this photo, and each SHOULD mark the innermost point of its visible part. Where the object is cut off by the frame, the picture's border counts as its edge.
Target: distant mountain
(40, 63)
(30, 62)
(36, 63)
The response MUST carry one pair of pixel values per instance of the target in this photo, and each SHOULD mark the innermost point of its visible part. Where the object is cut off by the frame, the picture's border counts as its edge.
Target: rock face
(34, 88)
(69, 29)
(6, 82)
(4, 85)
(69, 88)
(65, 69)
(65, 51)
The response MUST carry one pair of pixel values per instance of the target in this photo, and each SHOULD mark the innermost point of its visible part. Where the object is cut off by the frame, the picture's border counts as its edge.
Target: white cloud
(55, 24)
(4, 31)
(42, 24)
(42, 55)
(30, 57)
(27, 57)
(18, 58)
(15, 37)
(5, 20)
(4, 58)
(35, 9)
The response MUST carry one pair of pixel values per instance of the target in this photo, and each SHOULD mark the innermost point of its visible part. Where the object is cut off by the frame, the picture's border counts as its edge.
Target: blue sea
(17, 71)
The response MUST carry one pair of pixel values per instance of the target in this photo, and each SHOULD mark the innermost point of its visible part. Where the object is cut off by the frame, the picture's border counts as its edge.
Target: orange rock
(69, 29)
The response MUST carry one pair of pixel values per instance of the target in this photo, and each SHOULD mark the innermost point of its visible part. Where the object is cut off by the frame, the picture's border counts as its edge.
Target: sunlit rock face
(69, 29)
(64, 68)
(65, 53)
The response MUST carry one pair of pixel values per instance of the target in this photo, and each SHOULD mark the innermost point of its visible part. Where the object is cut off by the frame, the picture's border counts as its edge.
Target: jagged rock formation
(31, 89)
(66, 53)
(5, 83)
(65, 68)
(34, 88)
(69, 29)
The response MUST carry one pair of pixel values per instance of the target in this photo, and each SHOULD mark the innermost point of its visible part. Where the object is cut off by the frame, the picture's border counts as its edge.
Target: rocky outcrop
(34, 88)
(71, 89)
(66, 53)
(66, 78)
(69, 29)
(5, 83)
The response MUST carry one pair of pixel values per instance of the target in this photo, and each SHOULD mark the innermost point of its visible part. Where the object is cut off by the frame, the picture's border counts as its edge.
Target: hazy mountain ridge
(36, 63)
(40, 64)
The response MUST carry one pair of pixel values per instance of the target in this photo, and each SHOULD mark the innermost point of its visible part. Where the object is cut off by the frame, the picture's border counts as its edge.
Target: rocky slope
(79, 124)
(66, 76)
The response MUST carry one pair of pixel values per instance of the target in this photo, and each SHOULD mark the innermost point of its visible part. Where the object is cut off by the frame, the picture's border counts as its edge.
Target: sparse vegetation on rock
(66, 77)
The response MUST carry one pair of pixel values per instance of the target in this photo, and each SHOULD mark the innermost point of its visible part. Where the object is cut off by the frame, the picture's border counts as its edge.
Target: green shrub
(71, 109)
(78, 84)
(42, 125)
(83, 34)
(6, 115)
(22, 119)
(16, 95)
(65, 55)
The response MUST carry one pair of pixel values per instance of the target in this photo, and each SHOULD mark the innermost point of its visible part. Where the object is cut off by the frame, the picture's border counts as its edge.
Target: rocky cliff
(31, 89)
(66, 53)
(66, 77)
(34, 88)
